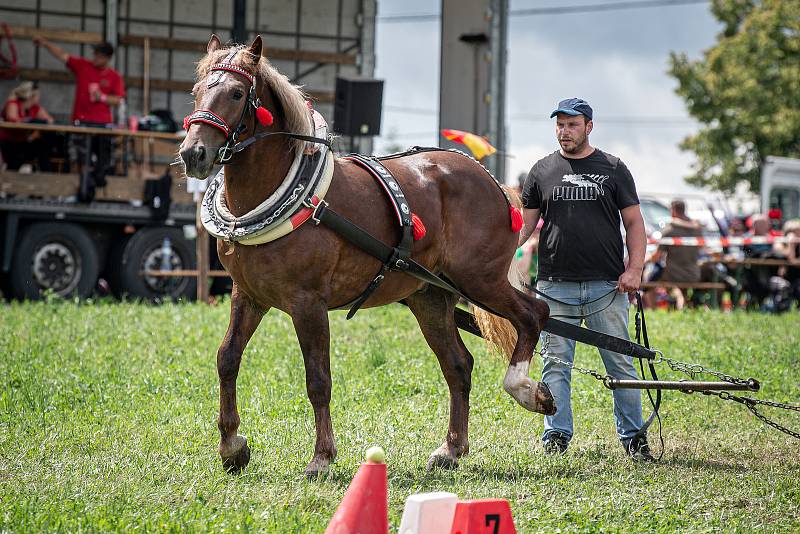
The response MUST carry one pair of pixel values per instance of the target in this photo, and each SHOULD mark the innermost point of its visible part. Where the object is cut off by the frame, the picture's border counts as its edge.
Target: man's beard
(577, 146)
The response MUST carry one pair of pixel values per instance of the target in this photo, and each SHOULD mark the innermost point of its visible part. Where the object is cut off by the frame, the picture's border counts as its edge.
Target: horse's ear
(255, 48)
(213, 44)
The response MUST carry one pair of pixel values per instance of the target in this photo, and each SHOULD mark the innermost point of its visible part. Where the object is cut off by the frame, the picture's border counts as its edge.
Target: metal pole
(202, 250)
(239, 13)
(111, 30)
(679, 385)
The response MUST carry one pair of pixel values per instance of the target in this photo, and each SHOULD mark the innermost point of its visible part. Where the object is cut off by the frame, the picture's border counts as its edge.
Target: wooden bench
(716, 289)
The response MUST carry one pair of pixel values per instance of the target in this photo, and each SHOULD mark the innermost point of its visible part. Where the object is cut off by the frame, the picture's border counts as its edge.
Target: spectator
(791, 248)
(759, 281)
(791, 251)
(37, 113)
(20, 146)
(679, 262)
(759, 227)
(98, 88)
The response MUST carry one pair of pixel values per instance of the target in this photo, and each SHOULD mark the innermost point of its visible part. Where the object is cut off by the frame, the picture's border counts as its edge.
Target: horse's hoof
(533, 396)
(318, 467)
(545, 400)
(235, 462)
(442, 458)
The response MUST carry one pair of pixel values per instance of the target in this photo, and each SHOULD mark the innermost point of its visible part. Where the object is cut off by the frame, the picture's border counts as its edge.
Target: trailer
(53, 242)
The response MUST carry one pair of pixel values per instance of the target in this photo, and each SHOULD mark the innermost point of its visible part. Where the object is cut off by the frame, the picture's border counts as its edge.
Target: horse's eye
(237, 95)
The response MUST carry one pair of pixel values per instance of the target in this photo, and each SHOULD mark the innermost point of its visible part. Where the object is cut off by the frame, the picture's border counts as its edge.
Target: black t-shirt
(580, 201)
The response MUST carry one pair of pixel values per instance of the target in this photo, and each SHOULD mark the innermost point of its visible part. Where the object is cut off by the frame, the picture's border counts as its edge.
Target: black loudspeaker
(357, 106)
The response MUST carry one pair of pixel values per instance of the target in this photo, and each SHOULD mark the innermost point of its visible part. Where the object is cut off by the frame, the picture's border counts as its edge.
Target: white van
(780, 186)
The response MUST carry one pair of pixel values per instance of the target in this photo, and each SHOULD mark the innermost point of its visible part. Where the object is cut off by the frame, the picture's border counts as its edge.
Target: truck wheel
(154, 249)
(57, 256)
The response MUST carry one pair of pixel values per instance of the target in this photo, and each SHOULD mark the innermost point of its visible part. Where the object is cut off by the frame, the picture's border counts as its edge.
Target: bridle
(252, 105)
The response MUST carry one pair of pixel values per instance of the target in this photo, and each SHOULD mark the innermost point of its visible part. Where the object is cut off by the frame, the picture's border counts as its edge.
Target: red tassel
(186, 122)
(264, 116)
(419, 228)
(516, 219)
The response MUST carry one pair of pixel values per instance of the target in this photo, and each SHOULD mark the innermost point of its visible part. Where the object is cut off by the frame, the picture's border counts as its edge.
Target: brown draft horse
(313, 270)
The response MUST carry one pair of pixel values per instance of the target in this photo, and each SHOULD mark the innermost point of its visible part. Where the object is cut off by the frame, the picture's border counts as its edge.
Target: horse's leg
(245, 317)
(433, 309)
(527, 315)
(310, 318)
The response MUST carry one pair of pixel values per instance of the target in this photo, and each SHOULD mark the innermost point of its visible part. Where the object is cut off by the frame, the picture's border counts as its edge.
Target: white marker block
(429, 513)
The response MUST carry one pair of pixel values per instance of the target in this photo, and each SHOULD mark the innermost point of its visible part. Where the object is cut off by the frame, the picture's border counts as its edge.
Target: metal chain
(605, 379)
(694, 369)
(751, 404)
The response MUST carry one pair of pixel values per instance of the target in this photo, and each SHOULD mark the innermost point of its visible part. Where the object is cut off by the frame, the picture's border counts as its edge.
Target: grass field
(108, 423)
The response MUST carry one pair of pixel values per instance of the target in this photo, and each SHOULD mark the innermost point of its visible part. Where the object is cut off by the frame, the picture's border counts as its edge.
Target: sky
(616, 60)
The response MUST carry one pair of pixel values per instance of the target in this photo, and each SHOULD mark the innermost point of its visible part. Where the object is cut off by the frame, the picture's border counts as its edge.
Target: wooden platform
(49, 184)
(684, 285)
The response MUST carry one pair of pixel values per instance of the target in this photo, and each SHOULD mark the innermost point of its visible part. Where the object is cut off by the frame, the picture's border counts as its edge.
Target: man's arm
(57, 52)
(636, 240)
(531, 219)
(105, 98)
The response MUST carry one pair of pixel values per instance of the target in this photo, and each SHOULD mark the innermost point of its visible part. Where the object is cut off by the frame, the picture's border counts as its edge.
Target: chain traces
(751, 404)
(605, 379)
(692, 370)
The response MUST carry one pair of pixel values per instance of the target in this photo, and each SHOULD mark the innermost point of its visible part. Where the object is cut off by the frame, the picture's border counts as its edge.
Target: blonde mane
(290, 97)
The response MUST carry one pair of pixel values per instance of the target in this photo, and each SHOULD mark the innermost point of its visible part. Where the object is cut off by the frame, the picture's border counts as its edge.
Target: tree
(745, 92)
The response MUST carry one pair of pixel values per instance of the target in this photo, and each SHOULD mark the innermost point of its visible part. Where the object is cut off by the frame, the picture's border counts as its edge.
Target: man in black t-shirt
(583, 194)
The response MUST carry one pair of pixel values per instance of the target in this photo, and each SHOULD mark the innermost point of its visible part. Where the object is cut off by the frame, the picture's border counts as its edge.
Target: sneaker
(555, 443)
(638, 449)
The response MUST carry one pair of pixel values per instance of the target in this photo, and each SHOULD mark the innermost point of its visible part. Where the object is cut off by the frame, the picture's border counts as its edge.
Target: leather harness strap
(465, 320)
(392, 258)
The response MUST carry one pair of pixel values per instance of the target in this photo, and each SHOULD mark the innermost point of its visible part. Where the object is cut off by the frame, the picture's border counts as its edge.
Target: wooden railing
(81, 37)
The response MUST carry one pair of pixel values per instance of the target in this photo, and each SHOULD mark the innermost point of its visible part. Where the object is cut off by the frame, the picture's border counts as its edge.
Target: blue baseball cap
(573, 106)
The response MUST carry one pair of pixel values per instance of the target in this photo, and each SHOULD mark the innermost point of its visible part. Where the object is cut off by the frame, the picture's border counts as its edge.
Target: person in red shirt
(21, 146)
(98, 88)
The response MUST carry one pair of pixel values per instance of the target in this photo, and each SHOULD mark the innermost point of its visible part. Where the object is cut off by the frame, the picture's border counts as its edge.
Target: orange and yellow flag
(479, 146)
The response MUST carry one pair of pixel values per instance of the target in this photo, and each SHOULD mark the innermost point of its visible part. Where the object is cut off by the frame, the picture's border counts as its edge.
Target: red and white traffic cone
(365, 506)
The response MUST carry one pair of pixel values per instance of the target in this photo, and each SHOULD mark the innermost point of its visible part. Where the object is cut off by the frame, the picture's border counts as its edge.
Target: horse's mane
(290, 97)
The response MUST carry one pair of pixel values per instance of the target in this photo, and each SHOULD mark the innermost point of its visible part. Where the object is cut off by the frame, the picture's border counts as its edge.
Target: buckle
(225, 153)
(319, 205)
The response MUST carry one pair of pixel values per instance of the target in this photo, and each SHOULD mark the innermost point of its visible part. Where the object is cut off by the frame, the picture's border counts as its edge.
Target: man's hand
(95, 95)
(38, 40)
(630, 280)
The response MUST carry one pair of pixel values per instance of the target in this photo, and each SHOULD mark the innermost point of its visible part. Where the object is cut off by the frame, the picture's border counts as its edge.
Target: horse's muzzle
(197, 160)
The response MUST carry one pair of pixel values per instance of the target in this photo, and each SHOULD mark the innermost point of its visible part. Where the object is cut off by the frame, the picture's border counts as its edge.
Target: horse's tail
(513, 197)
(497, 331)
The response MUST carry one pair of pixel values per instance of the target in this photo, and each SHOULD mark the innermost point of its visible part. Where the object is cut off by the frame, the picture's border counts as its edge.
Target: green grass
(108, 423)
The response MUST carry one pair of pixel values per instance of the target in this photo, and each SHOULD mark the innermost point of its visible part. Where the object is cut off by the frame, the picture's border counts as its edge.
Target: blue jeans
(611, 317)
